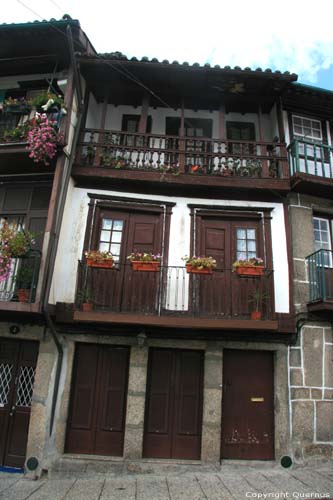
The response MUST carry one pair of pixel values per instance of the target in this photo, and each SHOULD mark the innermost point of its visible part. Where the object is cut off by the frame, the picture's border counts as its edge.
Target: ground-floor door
(98, 400)
(174, 404)
(248, 405)
(17, 374)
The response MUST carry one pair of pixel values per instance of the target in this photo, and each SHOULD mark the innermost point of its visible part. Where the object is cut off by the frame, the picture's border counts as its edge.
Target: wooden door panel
(248, 405)
(98, 401)
(174, 404)
(20, 359)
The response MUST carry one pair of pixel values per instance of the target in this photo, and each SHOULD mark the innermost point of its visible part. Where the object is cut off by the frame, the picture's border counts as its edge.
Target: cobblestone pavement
(224, 483)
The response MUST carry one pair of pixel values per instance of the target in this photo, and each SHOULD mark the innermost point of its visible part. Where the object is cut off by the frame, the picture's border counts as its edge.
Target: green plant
(144, 257)
(85, 295)
(98, 255)
(258, 297)
(17, 134)
(24, 277)
(43, 98)
(15, 242)
(253, 262)
(202, 262)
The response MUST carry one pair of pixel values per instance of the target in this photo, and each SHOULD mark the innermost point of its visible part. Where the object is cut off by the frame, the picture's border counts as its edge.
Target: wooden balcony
(181, 161)
(320, 282)
(311, 167)
(171, 297)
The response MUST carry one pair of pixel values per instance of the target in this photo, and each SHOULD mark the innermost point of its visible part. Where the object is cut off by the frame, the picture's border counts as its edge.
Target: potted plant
(17, 105)
(23, 279)
(48, 102)
(15, 242)
(85, 299)
(17, 134)
(145, 261)
(98, 258)
(43, 139)
(249, 267)
(258, 298)
(199, 265)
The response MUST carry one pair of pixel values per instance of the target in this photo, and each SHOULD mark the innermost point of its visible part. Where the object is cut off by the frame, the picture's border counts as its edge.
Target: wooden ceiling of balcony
(200, 87)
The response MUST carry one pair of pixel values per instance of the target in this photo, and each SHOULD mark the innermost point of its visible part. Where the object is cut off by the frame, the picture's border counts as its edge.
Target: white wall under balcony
(74, 226)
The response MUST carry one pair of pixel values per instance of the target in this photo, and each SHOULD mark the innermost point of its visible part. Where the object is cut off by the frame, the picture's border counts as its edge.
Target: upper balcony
(311, 167)
(171, 297)
(320, 281)
(181, 160)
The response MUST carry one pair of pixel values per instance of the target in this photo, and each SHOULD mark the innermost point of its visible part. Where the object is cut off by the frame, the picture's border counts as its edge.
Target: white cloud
(289, 35)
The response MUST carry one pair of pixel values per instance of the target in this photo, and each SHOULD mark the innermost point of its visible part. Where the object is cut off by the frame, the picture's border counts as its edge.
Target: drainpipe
(54, 236)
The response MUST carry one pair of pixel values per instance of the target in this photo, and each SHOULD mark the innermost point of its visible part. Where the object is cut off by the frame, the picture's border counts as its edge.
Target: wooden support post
(97, 158)
(182, 141)
(142, 128)
(262, 147)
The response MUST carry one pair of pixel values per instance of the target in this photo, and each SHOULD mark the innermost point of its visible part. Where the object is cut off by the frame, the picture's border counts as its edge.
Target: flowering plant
(5, 265)
(253, 262)
(43, 138)
(98, 255)
(144, 257)
(200, 262)
(15, 242)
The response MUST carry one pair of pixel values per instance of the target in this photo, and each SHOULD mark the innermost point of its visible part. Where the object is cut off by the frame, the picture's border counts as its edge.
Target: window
(322, 231)
(240, 131)
(307, 128)
(246, 243)
(111, 236)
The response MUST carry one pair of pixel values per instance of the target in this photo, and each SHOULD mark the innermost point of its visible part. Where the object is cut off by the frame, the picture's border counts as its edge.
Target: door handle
(11, 413)
(257, 400)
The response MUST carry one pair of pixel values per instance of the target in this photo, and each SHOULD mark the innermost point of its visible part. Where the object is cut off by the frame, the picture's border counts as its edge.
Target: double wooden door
(248, 405)
(98, 400)
(174, 404)
(121, 233)
(17, 374)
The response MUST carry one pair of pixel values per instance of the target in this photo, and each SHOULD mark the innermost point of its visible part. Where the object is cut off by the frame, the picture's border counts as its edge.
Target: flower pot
(87, 306)
(256, 315)
(196, 270)
(104, 263)
(153, 266)
(23, 294)
(250, 270)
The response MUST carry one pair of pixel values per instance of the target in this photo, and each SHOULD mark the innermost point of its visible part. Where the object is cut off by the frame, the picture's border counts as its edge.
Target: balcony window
(246, 244)
(307, 128)
(322, 231)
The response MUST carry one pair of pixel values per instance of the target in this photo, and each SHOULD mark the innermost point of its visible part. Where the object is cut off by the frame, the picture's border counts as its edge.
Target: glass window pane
(241, 234)
(104, 247)
(116, 237)
(115, 249)
(317, 235)
(107, 224)
(241, 245)
(252, 246)
(251, 234)
(241, 256)
(105, 235)
(251, 255)
(118, 225)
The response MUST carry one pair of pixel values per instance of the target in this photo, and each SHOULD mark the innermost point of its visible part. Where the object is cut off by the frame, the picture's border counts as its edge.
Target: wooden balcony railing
(173, 292)
(176, 155)
(23, 275)
(310, 157)
(320, 268)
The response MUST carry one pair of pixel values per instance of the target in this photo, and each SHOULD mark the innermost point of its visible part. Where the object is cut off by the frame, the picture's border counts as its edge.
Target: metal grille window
(246, 244)
(25, 386)
(111, 236)
(5, 379)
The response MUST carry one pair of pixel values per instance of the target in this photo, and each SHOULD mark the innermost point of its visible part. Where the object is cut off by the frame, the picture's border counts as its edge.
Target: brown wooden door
(98, 400)
(122, 289)
(17, 374)
(174, 404)
(248, 405)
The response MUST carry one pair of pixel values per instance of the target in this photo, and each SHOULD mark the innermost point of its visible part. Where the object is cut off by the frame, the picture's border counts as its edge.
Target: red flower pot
(250, 270)
(23, 294)
(87, 306)
(196, 270)
(139, 265)
(104, 263)
(256, 315)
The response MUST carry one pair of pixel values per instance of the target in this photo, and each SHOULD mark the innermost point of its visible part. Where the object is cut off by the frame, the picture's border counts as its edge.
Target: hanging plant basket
(103, 263)
(250, 270)
(138, 265)
(196, 270)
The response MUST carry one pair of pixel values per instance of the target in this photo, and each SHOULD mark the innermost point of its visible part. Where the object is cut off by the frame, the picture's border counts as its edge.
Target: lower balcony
(321, 281)
(172, 297)
(18, 290)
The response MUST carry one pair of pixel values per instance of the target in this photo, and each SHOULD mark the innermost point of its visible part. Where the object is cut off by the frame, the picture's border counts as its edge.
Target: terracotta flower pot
(256, 315)
(103, 263)
(250, 270)
(152, 266)
(23, 294)
(196, 270)
(87, 306)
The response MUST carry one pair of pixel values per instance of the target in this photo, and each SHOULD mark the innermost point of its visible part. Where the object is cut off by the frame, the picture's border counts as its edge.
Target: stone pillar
(136, 403)
(211, 424)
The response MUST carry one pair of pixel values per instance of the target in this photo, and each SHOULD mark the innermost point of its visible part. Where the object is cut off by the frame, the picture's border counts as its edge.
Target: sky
(284, 35)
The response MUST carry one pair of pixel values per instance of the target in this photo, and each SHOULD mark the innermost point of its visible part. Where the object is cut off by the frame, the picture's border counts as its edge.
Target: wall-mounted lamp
(142, 339)
(14, 329)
